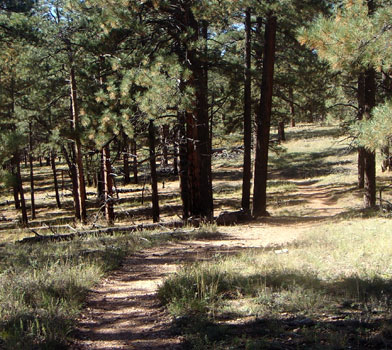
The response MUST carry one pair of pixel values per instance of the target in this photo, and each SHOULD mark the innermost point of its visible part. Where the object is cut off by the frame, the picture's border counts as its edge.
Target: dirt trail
(123, 312)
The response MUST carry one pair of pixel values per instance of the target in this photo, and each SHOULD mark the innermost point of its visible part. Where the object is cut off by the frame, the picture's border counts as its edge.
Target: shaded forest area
(98, 90)
(130, 116)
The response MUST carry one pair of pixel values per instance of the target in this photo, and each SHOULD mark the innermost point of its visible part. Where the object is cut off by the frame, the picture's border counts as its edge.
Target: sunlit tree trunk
(263, 120)
(247, 165)
(153, 169)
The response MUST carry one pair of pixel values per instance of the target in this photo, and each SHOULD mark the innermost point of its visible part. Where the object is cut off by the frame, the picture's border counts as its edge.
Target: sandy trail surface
(123, 312)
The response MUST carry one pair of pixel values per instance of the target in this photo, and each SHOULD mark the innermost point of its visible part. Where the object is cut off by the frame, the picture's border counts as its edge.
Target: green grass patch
(43, 286)
(340, 271)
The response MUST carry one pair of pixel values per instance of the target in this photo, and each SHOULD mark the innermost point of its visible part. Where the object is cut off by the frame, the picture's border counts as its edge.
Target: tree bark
(198, 130)
(370, 157)
(281, 132)
(20, 188)
(361, 150)
(77, 144)
(56, 185)
(247, 165)
(134, 163)
(108, 184)
(74, 179)
(264, 120)
(31, 172)
(183, 152)
(292, 107)
(153, 169)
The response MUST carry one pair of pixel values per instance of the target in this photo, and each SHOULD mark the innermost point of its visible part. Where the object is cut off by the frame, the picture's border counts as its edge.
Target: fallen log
(105, 230)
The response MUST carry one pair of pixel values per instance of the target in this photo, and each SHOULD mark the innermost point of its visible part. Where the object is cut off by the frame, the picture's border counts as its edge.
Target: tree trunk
(15, 190)
(56, 185)
(292, 108)
(361, 150)
(198, 131)
(370, 157)
(74, 179)
(264, 120)
(108, 184)
(183, 152)
(31, 172)
(281, 133)
(77, 145)
(153, 169)
(175, 151)
(134, 163)
(247, 165)
(21, 191)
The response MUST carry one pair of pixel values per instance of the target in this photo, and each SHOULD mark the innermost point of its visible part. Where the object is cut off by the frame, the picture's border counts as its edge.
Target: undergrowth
(338, 275)
(43, 286)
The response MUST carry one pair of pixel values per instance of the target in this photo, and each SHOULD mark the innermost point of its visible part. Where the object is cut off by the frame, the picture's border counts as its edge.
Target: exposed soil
(123, 312)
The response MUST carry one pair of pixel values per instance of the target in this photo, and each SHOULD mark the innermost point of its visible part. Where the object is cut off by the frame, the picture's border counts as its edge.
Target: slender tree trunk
(361, 150)
(108, 184)
(134, 163)
(100, 181)
(56, 185)
(183, 152)
(281, 133)
(15, 191)
(175, 151)
(78, 145)
(247, 165)
(74, 179)
(264, 120)
(292, 108)
(153, 169)
(370, 157)
(21, 191)
(31, 172)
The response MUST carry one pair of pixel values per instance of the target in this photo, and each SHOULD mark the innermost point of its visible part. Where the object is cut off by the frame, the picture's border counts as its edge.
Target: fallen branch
(106, 230)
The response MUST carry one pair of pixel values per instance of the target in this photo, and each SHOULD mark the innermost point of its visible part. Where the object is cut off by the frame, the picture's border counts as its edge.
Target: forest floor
(124, 311)
(302, 278)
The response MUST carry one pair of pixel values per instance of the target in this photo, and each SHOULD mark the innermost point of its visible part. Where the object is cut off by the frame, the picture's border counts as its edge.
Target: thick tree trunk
(21, 191)
(108, 184)
(361, 150)
(56, 185)
(370, 157)
(31, 172)
(198, 130)
(134, 163)
(153, 169)
(247, 165)
(264, 120)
